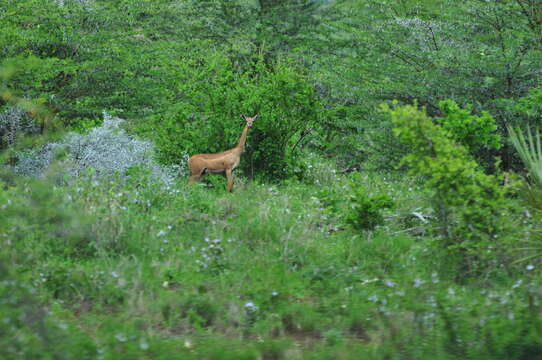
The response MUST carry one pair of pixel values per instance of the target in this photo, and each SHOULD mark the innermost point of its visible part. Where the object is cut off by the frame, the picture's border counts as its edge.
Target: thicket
(472, 208)
(206, 118)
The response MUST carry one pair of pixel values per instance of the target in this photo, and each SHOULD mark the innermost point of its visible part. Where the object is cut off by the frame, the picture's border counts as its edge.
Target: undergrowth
(127, 267)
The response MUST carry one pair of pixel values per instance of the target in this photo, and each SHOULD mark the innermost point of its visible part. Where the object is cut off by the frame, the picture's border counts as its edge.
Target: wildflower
(114, 274)
(120, 337)
(274, 293)
(251, 307)
(530, 267)
(161, 233)
(143, 345)
(418, 282)
(389, 283)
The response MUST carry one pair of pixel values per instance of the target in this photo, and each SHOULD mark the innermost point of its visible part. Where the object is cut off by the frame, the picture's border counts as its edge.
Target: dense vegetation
(387, 206)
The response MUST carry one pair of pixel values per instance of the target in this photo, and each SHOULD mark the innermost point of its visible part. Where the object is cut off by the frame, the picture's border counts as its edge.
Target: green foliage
(529, 149)
(206, 118)
(28, 328)
(129, 266)
(186, 272)
(522, 112)
(471, 207)
(33, 211)
(366, 211)
(429, 50)
(473, 132)
(530, 105)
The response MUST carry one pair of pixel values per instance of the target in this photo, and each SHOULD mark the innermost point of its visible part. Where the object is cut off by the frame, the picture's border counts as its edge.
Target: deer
(223, 162)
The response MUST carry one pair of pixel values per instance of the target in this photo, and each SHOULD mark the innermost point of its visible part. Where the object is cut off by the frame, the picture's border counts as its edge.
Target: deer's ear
(243, 117)
(255, 117)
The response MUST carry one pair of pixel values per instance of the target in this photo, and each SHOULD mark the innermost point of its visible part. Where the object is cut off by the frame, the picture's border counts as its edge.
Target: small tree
(366, 211)
(472, 208)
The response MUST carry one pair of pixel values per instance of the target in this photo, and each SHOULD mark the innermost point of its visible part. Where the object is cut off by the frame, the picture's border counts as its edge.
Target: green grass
(128, 269)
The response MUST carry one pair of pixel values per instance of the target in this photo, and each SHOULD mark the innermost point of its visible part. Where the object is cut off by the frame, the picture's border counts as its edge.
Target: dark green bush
(206, 118)
(366, 211)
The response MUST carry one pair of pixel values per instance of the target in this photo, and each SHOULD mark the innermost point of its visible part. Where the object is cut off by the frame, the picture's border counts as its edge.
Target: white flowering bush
(104, 151)
(63, 3)
(14, 123)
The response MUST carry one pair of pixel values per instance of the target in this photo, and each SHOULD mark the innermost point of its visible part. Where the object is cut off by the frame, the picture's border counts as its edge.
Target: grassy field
(126, 267)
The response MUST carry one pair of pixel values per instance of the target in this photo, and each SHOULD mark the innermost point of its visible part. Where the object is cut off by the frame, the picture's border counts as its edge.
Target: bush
(104, 151)
(14, 123)
(472, 207)
(366, 211)
(478, 133)
(212, 95)
(474, 132)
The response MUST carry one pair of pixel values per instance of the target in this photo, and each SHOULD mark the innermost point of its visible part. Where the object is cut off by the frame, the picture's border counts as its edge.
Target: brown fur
(224, 162)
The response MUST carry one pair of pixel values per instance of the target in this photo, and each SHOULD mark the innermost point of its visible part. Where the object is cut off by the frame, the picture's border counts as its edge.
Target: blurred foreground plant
(472, 207)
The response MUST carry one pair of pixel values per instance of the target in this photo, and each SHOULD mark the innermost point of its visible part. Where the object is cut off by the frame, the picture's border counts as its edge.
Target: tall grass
(133, 269)
(121, 266)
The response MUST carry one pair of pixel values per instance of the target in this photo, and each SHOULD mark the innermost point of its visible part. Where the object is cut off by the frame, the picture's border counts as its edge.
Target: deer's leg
(196, 175)
(194, 178)
(229, 176)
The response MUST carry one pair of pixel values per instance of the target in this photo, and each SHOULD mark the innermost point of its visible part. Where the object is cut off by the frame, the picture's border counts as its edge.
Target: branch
(304, 133)
(525, 11)
(433, 37)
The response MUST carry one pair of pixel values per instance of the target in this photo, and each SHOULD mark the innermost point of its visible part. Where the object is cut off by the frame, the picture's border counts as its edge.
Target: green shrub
(473, 132)
(366, 211)
(471, 207)
(212, 95)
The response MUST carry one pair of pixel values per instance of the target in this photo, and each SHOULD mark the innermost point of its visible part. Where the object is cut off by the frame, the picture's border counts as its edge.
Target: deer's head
(249, 120)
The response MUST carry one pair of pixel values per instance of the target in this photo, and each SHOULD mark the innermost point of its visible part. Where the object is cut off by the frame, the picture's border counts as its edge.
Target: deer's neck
(243, 139)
